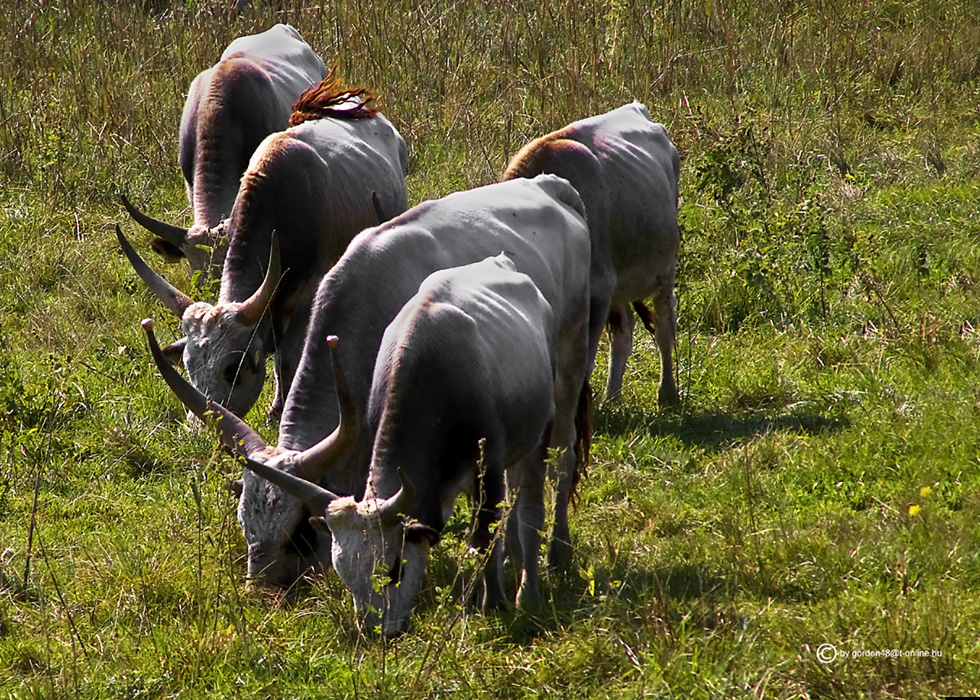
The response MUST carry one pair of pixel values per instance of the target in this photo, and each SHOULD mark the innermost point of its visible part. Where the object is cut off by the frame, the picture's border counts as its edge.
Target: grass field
(818, 485)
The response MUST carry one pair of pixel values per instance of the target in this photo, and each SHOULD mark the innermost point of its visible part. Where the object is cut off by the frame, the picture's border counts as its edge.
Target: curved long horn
(401, 503)
(237, 435)
(316, 498)
(250, 311)
(316, 461)
(172, 298)
(168, 232)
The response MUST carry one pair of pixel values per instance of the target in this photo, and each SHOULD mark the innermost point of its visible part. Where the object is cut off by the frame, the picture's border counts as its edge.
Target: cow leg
(560, 551)
(491, 491)
(283, 371)
(568, 389)
(665, 325)
(279, 397)
(598, 313)
(512, 539)
(530, 519)
(620, 326)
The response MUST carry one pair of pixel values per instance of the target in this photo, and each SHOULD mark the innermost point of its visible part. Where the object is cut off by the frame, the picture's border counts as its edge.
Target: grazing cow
(626, 169)
(310, 189)
(230, 109)
(444, 380)
(538, 223)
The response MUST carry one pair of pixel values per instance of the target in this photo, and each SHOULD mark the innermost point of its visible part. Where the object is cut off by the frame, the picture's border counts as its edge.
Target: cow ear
(166, 250)
(175, 351)
(320, 523)
(235, 487)
(416, 532)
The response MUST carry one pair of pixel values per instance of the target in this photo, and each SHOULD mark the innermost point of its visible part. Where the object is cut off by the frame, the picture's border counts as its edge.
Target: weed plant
(818, 485)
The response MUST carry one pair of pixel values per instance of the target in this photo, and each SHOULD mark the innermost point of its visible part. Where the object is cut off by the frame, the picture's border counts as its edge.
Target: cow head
(203, 247)
(381, 555)
(282, 544)
(224, 354)
(224, 349)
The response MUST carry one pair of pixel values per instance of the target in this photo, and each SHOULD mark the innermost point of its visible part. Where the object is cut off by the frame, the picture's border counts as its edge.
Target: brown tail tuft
(332, 98)
(646, 316)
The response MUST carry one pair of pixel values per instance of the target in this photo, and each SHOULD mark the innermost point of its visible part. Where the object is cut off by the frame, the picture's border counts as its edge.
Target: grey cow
(310, 189)
(626, 168)
(447, 377)
(230, 108)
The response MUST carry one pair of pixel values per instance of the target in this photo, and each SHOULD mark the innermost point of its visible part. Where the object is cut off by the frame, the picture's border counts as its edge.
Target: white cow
(310, 188)
(626, 169)
(445, 379)
(230, 108)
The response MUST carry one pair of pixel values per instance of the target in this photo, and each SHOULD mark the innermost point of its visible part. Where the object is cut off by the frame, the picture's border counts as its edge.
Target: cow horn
(250, 311)
(316, 498)
(238, 437)
(172, 298)
(392, 510)
(320, 458)
(174, 235)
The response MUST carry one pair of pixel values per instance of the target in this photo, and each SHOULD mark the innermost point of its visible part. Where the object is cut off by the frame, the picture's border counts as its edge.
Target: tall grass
(818, 485)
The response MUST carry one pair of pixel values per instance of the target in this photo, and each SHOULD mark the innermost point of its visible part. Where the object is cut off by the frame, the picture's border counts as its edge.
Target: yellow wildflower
(925, 491)
(914, 509)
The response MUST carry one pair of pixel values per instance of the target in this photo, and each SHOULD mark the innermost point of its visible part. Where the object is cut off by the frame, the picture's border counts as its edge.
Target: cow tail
(646, 316)
(583, 440)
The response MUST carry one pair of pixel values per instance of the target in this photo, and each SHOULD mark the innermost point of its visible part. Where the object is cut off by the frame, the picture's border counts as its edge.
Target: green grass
(819, 483)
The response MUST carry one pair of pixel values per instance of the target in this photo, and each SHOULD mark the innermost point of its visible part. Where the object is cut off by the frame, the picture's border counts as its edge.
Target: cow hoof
(528, 598)
(560, 555)
(667, 396)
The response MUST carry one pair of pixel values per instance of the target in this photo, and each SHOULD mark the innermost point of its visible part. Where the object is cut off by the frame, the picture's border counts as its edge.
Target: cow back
(313, 185)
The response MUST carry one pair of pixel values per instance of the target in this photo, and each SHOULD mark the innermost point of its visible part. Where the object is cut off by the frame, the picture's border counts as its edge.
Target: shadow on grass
(665, 597)
(715, 428)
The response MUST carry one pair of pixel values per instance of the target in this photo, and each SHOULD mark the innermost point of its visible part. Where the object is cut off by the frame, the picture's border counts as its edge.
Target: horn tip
(147, 324)
(404, 480)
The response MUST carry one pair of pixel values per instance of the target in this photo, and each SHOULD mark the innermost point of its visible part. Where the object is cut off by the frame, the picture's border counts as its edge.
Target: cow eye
(231, 374)
(395, 575)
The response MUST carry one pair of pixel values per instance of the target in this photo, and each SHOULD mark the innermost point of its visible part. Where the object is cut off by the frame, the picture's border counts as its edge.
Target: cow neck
(311, 412)
(222, 157)
(246, 261)
(215, 189)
